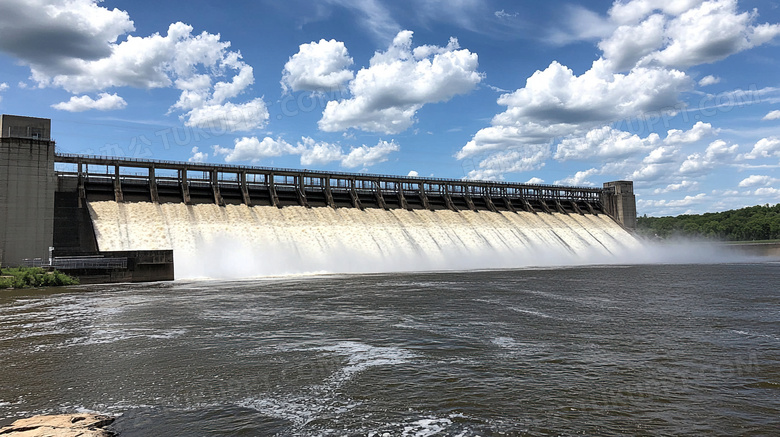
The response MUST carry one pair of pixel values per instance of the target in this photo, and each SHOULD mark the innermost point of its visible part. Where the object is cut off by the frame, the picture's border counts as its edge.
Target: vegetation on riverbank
(30, 277)
(761, 222)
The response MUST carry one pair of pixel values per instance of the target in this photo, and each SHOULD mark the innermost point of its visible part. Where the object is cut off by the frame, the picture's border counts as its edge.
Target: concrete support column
(185, 186)
(244, 188)
(380, 200)
(353, 193)
(559, 207)
(448, 199)
(423, 196)
(153, 186)
(117, 185)
(269, 178)
(300, 188)
(401, 198)
(508, 204)
(328, 193)
(467, 197)
(81, 188)
(528, 207)
(215, 188)
(488, 201)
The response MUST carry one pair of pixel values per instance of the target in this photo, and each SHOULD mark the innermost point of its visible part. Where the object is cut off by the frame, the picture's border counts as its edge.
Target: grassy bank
(29, 277)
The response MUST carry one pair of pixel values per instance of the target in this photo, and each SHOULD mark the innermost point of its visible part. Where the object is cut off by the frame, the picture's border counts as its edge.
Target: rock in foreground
(61, 425)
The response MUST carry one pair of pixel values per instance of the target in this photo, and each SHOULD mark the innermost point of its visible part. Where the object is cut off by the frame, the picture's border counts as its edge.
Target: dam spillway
(240, 241)
(220, 220)
(239, 221)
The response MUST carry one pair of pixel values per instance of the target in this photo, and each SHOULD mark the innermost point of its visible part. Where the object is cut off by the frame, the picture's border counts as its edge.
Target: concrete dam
(221, 221)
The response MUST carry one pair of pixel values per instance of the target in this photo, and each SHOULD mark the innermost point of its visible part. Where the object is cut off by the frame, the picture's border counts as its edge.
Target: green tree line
(761, 222)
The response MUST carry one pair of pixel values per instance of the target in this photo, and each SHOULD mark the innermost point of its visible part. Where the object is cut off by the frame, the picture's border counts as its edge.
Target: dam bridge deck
(97, 178)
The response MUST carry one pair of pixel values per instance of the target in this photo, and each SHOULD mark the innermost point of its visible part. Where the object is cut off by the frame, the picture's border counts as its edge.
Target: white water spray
(240, 241)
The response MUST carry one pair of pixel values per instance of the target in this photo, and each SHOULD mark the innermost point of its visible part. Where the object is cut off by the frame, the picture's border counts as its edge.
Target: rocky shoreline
(61, 425)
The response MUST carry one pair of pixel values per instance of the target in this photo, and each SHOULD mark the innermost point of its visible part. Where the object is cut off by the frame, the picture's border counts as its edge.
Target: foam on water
(240, 241)
(315, 402)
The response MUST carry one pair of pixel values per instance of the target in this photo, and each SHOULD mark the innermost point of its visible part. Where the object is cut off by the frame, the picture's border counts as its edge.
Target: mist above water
(238, 241)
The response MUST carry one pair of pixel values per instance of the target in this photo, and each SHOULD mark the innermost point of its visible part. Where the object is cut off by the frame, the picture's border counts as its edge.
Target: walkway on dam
(126, 179)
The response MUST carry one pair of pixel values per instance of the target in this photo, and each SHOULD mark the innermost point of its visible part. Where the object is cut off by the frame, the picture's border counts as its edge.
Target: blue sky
(681, 97)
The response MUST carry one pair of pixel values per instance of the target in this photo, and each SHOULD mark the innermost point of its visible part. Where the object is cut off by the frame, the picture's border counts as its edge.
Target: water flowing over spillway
(242, 241)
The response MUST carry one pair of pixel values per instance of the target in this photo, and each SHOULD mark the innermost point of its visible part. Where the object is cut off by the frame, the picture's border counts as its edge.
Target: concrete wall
(27, 185)
(620, 202)
(142, 266)
(17, 126)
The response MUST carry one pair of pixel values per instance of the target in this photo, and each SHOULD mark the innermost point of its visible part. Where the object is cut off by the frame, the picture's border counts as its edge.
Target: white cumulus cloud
(710, 32)
(676, 203)
(493, 167)
(198, 156)
(319, 153)
(556, 103)
(646, 47)
(579, 179)
(229, 117)
(312, 152)
(604, 142)
(365, 156)
(104, 102)
(767, 192)
(764, 148)
(699, 131)
(681, 34)
(50, 34)
(386, 96)
(709, 80)
(318, 66)
(772, 115)
(81, 47)
(718, 152)
(684, 185)
(254, 150)
(757, 181)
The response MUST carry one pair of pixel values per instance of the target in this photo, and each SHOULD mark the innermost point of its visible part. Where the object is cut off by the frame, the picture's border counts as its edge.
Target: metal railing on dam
(132, 180)
(78, 262)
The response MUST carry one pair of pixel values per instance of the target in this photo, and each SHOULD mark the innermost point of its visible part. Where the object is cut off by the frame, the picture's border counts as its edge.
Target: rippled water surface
(659, 349)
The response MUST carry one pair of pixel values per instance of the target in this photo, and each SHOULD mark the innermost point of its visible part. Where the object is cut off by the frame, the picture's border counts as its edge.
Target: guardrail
(73, 263)
(190, 166)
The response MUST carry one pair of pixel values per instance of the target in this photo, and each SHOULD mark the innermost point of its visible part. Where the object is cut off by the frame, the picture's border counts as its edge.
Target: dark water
(636, 350)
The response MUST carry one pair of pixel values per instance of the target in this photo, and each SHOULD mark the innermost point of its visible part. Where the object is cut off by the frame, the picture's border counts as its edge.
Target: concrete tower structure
(620, 203)
(27, 186)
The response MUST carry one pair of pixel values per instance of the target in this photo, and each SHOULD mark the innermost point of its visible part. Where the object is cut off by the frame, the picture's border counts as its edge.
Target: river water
(601, 350)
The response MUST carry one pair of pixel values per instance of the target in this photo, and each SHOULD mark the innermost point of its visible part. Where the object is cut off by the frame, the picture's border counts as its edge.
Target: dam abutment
(27, 187)
(620, 202)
